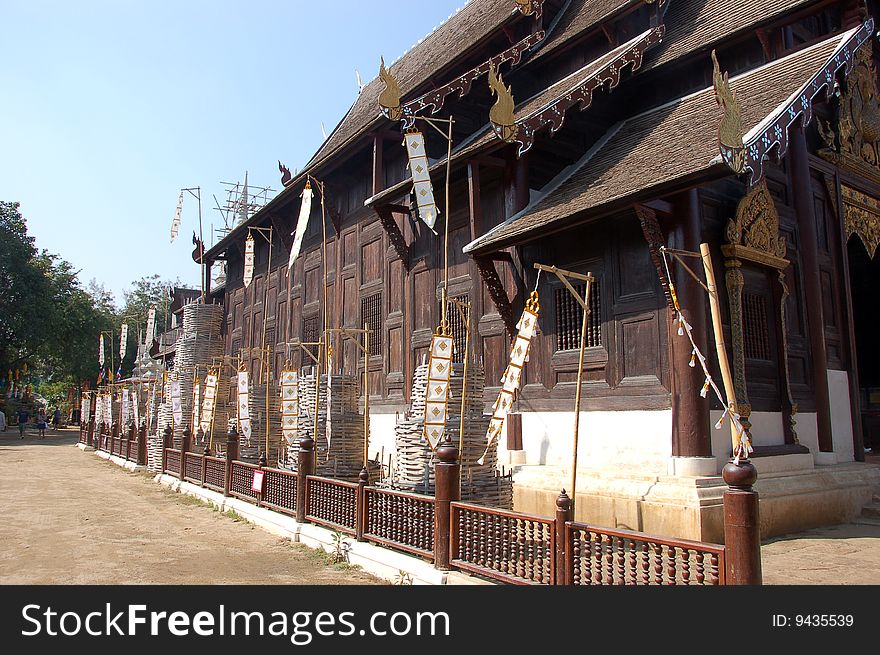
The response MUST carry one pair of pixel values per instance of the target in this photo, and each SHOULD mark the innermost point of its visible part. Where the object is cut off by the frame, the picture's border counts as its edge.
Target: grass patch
(235, 516)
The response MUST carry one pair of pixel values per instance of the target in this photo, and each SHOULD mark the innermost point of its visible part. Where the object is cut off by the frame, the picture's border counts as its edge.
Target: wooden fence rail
(400, 520)
(507, 546)
(172, 461)
(332, 503)
(603, 556)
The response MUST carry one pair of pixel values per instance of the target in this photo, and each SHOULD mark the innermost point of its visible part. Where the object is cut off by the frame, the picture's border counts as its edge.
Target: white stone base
(84, 447)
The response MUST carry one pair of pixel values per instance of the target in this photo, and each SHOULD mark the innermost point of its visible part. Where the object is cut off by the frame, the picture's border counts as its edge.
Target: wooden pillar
(742, 535)
(802, 190)
(378, 166)
(690, 412)
(475, 206)
(563, 515)
(142, 445)
(131, 440)
(231, 456)
(361, 514)
(91, 428)
(184, 449)
(516, 183)
(447, 473)
(167, 441)
(305, 466)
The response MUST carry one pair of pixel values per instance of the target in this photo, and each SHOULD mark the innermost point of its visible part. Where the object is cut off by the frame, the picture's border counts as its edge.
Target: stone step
(871, 511)
(863, 520)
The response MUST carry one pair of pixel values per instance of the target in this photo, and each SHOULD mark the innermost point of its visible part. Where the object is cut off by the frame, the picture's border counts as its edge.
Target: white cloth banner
(101, 350)
(99, 409)
(123, 341)
(512, 378)
(302, 223)
(422, 188)
(108, 410)
(248, 261)
(290, 406)
(175, 224)
(135, 409)
(196, 408)
(208, 405)
(437, 393)
(85, 409)
(151, 326)
(126, 407)
(151, 406)
(176, 406)
(244, 413)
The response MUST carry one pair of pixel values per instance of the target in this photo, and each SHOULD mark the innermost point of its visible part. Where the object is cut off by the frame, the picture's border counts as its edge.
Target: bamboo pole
(577, 393)
(720, 348)
(467, 339)
(366, 393)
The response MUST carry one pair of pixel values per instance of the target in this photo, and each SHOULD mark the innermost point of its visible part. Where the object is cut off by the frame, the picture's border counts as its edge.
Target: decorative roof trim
(553, 114)
(531, 8)
(435, 99)
(772, 132)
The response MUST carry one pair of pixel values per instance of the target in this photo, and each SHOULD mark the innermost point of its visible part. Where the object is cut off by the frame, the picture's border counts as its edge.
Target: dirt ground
(69, 517)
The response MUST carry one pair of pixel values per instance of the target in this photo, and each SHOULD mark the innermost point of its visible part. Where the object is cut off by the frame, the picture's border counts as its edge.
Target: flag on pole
(85, 408)
(290, 406)
(151, 326)
(101, 350)
(196, 408)
(302, 223)
(512, 378)
(208, 405)
(176, 407)
(244, 415)
(175, 224)
(422, 188)
(123, 342)
(437, 393)
(248, 260)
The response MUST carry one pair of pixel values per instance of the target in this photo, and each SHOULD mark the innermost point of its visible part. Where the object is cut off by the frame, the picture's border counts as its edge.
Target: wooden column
(378, 167)
(802, 190)
(516, 183)
(184, 449)
(305, 466)
(231, 456)
(361, 513)
(475, 206)
(690, 412)
(142, 445)
(447, 473)
(742, 535)
(563, 515)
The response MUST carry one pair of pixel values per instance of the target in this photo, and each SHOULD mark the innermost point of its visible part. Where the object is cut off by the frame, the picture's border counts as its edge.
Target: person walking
(56, 419)
(23, 417)
(41, 422)
(2, 421)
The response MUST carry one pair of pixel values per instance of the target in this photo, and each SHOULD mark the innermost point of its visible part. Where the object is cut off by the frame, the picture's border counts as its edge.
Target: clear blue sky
(110, 108)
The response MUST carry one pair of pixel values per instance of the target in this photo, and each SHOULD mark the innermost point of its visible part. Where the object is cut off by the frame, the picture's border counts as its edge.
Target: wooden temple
(596, 135)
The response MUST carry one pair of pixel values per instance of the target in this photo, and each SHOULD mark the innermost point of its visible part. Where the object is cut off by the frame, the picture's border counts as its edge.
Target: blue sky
(111, 107)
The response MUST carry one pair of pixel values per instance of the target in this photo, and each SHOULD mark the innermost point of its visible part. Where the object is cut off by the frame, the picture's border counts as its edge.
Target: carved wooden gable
(753, 234)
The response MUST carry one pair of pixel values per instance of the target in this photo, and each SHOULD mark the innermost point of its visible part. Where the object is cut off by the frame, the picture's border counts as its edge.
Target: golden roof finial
(730, 131)
(389, 99)
(501, 113)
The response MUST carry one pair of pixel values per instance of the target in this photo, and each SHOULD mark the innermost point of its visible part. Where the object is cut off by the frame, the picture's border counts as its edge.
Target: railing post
(206, 454)
(563, 515)
(742, 535)
(305, 463)
(447, 472)
(130, 439)
(231, 456)
(361, 512)
(262, 462)
(91, 434)
(142, 444)
(184, 449)
(166, 443)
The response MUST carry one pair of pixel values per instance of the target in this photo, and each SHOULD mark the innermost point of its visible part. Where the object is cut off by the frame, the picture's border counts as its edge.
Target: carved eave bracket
(655, 239)
(398, 242)
(497, 292)
(861, 216)
(530, 8)
(581, 93)
(770, 137)
(753, 234)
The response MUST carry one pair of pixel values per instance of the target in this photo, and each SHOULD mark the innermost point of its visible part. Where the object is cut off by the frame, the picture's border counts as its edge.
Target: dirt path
(68, 517)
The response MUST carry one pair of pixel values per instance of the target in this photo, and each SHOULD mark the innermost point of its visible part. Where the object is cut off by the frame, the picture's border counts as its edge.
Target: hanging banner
(151, 406)
(101, 350)
(422, 188)
(207, 416)
(151, 326)
(108, 410)
(302, 223)
(196, 408)
(135, 409)
(248, 260)
(437, 394)
(126, 407)
(176, 406)
(175, 224)
(290, 406)
(85, 409)
(123, 341)
(512, 378)
(99, 418)
(244, 415)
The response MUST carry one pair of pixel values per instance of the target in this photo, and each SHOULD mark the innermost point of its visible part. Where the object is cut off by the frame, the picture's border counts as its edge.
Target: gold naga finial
(526, 7)
(389, 99)
(501, 113)
(730, 132)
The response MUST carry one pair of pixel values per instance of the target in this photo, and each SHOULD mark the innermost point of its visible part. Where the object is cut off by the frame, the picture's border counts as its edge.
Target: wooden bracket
(386, 218)
(496, 291)
(655, 239)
